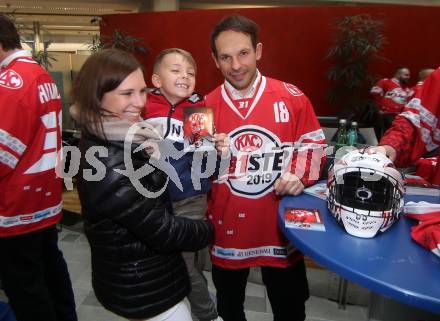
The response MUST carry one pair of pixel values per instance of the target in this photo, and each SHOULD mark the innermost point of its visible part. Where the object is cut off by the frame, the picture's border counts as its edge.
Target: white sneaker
(218, 319)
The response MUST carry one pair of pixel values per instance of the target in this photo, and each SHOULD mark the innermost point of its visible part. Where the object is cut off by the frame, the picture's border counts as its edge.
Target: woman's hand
(150, 136)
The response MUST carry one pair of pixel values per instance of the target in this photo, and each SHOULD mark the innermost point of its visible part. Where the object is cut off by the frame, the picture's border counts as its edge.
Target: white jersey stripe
(30, 218)
(46, 162)
(49, 120)
(421, 207)
(423, 116)
(426, 136)
(377, 90)
(257, 96)
(50, 141)
(27, 60)
(314, 135)
(243, 254)
(308, 146)
(12, 142)
(8, 159)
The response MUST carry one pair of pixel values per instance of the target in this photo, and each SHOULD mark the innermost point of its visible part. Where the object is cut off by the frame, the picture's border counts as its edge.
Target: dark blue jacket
(170, 117)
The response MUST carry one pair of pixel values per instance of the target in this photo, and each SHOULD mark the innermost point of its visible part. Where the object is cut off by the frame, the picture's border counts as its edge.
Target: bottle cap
(354, 123)
(342, 121)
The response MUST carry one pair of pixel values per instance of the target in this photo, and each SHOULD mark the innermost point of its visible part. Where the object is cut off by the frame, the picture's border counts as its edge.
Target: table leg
(342, 293)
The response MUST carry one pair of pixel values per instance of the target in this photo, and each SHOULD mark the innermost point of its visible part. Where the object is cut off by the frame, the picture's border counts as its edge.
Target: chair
(367, 133)
(370, 135)
(329, 132)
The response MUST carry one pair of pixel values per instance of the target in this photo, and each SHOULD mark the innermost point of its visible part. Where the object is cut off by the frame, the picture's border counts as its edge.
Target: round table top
(390, 264)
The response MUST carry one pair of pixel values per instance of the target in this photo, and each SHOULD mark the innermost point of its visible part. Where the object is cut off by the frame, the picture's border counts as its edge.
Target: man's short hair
(235, 23)
(185, 54)
(9, 37)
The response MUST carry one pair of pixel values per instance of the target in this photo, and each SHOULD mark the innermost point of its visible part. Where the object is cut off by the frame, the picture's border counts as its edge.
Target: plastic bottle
(341, 138)
(352, 135)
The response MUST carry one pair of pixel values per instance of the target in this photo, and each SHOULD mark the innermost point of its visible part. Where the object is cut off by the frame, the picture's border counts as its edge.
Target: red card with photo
(198, 128)
(305, 219)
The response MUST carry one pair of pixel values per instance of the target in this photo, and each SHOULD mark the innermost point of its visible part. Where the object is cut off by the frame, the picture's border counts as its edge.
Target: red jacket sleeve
(416, 130)
(401, 136)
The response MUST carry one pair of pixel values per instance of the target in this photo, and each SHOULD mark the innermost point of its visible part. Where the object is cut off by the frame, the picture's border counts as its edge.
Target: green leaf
(357, 42)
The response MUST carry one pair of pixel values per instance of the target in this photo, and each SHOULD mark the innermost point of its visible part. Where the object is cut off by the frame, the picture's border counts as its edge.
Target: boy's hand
(288, 183)
(222, 144)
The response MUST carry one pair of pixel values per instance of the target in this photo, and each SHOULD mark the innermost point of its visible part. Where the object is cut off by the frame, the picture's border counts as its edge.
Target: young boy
(173, 77)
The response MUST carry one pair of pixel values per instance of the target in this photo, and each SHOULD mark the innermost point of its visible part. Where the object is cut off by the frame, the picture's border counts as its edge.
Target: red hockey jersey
(390, 96)
(417, 129)
(415, 91)
(427, 232)
(274, 131)
(30, 136)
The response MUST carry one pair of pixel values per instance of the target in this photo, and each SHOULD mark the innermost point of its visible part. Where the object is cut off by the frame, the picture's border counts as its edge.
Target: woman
(137, 268)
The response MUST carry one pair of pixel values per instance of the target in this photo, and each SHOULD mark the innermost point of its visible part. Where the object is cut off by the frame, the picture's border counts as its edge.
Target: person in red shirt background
(33, 270)
(413, 133)
(416, 130)
(391, 95)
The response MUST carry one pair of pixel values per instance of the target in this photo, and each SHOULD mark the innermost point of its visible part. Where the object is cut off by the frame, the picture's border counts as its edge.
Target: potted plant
(42, 56)
(120, 40)
(357, 42)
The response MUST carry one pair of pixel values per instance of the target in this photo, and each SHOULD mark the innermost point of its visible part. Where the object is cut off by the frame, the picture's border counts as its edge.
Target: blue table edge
(410, 298)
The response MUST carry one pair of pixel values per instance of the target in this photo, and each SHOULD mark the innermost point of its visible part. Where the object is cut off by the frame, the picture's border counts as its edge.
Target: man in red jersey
(391, 95)
(32, 268)
(417, 129)
(270, 131)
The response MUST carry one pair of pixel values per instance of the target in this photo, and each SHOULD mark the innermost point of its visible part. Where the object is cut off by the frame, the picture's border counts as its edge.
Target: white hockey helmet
(365, 193)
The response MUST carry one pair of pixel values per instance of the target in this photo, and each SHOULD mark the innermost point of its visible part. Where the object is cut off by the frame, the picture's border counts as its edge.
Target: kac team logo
(248, 142)
(10, 79)
(257, 160)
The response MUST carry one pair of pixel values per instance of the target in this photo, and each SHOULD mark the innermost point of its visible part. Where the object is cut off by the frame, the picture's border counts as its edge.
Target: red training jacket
(30, 136)
(390, 96)
(417, 129)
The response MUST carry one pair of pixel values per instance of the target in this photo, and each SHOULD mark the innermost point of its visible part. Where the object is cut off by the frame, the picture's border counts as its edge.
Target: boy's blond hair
(185, 54)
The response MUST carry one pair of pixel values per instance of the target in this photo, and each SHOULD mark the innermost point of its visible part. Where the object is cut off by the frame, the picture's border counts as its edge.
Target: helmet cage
(356, 190)
(368, 195)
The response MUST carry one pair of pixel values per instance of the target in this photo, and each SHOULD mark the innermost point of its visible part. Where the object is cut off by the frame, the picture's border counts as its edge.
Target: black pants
(231, 286)
(35, 277)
